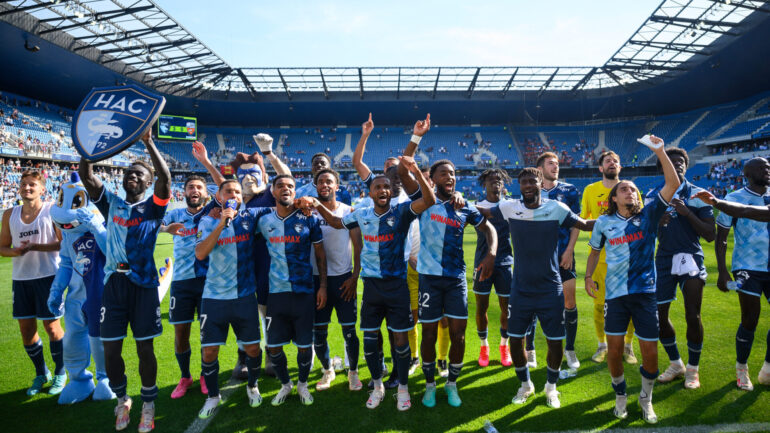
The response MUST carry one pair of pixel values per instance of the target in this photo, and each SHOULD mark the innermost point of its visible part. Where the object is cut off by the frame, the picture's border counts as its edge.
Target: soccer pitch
(587, 399)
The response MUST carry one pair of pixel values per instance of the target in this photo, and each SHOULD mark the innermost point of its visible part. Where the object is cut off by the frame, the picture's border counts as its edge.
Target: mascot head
(249, 173)
(73, 208)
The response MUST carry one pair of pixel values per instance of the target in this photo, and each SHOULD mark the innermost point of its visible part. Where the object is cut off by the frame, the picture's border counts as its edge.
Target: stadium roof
(140, 41)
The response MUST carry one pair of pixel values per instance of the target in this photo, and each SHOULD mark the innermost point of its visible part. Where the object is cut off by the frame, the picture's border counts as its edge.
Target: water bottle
(489, 428)
(733, 286)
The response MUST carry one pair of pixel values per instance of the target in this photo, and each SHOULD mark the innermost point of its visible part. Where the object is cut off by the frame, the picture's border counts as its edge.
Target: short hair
(498, 171)
(675, 151)
(435, 165)
(541, 159)
(33, 174)
(530, 171)
(607, 153)
(283, 176)
(328, 158)
(226, 181)
(146, 166)
(194, 177)
(378, 177)
(325, 171)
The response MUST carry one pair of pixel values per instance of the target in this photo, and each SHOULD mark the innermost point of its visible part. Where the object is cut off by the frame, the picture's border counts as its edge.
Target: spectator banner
(110, 119)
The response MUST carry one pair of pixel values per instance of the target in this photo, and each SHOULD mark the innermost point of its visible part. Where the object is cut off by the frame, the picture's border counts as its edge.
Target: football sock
(183, 359)
(483, 333)
(523, 374)
(35, 353)
(669, 344)
(443, 342)
(403, 359)
(743, 341)
(352, 346)
(414, 348)
(601, 337)
(57, 354)
(372, 355)
(503, 337)
(552, 375)
(693, 353)
(429, 370)
(648, 380)
(321, 346)
(149, 394)
(255, 368)
(210, 372)
(280, 366)
(619, 385)
(570, 324)
(304, 361)
(454, 372)
(119, 388)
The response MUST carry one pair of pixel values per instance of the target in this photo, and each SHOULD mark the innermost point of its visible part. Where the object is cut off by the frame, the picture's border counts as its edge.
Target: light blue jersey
(441, 239)
(311, 190)
(231, 262)
(534, 234)
(752, 238)
(186, 266)
(290, 244)
(630, 246)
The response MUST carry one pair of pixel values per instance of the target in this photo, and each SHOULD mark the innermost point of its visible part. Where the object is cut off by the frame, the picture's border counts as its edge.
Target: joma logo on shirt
(379, 238)
(29, 233)
(627, 238)
(133, 222)
(233, 239)
(444, 220)
(284, 239)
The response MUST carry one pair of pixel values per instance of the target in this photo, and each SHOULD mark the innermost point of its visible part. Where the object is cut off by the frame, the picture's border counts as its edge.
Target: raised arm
(265, 144)
(669, 173)
(163, 184)
(201, 155)
(358, 155)
(420, 128)
(90, 181)
(735, 210)
(428, 198)
(204, 247)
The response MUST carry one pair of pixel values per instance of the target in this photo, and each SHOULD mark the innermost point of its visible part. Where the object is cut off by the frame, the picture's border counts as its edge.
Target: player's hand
(55, 301)
(486, 267)
(413, 262)
(679, 206)
(320, 298)
(175, 229)
(457, 200)
(651, 141)
(305, 204)
(408, 162)
(367, 127)
(422, 126)
(215, 213)
(199, 152)
(566, 259)
(227, 213)
(264, 142)
(705, 197)
(348, 288)
(722, 280)
(591, 287)
(147, 136)
(24, 248)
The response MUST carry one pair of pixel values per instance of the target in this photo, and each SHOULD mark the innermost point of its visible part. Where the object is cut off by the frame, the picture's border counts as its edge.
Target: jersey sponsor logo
(189, 232)
(233, 239)
(603, 205)
(379, 238)
(632, 237)
(284, 239)
(133, 222)
(29, 233)
(444, 220)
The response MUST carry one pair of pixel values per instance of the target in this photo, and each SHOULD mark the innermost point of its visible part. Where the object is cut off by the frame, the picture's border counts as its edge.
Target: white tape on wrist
(415, 139)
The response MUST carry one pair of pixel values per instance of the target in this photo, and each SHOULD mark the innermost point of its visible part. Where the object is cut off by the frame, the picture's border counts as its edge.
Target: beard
(529, 199)
(193, 202)
(611, 175)
(285, 202)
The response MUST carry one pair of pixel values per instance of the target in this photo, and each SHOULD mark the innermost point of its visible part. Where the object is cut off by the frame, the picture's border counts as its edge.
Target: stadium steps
(676, 142)
(221, 142)
(745, 115)
(764, 126)
(543, 138)
(516, 145)
(347, 150)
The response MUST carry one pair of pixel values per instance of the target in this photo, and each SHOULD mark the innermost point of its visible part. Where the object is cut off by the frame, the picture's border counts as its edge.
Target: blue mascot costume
(81, 272)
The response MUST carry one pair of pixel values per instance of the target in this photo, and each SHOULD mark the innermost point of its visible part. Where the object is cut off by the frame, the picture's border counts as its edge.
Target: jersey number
(172, 303)
(425, 300)
(101, 314)
(268, 320)
(203, 318)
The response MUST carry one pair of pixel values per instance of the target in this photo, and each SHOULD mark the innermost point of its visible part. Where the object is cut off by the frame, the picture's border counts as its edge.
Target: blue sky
(412, 33)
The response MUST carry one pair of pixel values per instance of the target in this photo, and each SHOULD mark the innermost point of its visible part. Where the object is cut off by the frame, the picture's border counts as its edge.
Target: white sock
(301, 384)
(691, 367)
(678, 362)
(503, 341)
(618, 380)
(765, 366)
(484, 342)
(740, 366)
(646, 392)
(602, 345)
(431, 385)
(550, 386)
(403, 388)
(378, 383)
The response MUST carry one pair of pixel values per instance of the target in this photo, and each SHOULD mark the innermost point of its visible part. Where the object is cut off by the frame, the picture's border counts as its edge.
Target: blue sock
(530, 337)
(523, 374)
(304, 361)
(403, 359)
(482, 333)
(280, 365)
(504, 334)
(320, 337)
(669, 344)
(351, 346)
(743, 341)
(57, 354)
(553, 375)
(454, 371)
(570, 324)
(149, 394)
(119, 388)
(255, 368)
(183, 359)
(210, 372)
(372, 355)
(619, 385)
(648, 375)
(429, 371)
(693, 353)
(35, 353)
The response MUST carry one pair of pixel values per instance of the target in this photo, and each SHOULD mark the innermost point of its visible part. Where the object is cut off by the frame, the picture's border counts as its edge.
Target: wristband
(415, 139)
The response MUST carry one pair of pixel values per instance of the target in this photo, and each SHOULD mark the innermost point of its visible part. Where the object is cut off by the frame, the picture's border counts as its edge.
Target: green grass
(486, 392)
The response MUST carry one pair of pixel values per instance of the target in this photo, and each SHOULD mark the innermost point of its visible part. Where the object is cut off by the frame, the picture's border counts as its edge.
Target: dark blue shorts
(753, 283)
(442, 296)
(217, 315)
(125, 303)
(641, 308)
(666, 284)
(290, 318)
(548, 308)
(386, 299)
(346, 310)
(185, 299)
(568, 274)
(502, 278)
(30, 299)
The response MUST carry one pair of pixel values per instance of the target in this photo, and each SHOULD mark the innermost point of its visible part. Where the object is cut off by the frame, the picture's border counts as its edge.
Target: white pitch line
(715, 428)
(199, 425)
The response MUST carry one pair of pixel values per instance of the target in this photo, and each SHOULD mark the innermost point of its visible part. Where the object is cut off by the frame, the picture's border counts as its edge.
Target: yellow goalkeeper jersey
(594, 203)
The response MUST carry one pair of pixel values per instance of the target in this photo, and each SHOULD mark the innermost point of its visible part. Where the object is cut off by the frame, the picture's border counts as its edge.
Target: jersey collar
(287, 216)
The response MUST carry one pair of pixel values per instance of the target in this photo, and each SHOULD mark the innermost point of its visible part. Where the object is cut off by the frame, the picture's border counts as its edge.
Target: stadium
(695, 73)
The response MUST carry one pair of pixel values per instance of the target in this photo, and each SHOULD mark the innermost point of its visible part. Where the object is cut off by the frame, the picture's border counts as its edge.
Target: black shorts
(185, 299)
(30, 299)
(290, 318)
(386, 299)
(217, 315)
(346, 310)
(125, 303)
(442, 297)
